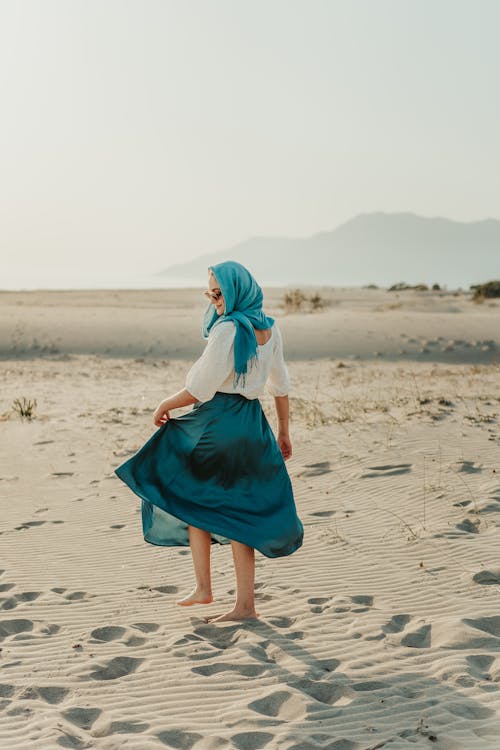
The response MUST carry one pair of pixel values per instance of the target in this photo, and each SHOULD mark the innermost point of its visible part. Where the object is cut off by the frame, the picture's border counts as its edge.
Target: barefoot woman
(217, 473)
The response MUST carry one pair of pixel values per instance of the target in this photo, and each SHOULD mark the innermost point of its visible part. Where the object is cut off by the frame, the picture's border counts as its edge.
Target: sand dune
(383, 630)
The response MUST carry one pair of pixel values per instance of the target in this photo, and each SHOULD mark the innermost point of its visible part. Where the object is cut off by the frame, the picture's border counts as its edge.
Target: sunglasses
(213, 295)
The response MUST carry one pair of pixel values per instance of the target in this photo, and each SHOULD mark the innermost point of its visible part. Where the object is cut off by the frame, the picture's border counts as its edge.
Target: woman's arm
(176, 401)
(282, 410)
(278, 385)
(207, 373)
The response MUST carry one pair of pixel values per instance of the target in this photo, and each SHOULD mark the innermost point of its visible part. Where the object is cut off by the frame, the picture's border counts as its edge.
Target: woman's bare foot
(234, 614)
(196, 597)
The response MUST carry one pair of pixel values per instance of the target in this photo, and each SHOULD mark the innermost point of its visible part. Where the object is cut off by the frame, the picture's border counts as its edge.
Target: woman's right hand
(162, 413)
(285, 445)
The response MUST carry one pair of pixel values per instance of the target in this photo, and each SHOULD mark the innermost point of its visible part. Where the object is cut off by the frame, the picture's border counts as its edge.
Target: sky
(139, 133)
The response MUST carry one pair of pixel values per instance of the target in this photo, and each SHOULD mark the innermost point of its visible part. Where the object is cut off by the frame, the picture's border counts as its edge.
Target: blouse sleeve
(215, 364)
(278, 382)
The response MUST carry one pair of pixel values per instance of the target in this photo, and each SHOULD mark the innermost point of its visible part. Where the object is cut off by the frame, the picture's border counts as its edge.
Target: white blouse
(214, 370)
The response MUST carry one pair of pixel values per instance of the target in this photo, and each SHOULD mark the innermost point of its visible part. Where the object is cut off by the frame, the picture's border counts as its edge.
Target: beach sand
(383, 630)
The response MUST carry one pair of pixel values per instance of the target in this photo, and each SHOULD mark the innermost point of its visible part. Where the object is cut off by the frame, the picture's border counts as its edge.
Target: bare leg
(200, 543)
(244, 566)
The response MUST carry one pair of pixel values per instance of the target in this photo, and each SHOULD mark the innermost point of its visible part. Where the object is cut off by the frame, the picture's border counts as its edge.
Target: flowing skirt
(217, 467)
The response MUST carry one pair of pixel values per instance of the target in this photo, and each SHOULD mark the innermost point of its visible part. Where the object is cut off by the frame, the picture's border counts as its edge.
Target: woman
(217, 473)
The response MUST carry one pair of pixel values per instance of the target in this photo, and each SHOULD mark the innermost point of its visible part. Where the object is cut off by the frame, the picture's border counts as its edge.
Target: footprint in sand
(471, 527)
(318, 602)
(389, 470)
(361, 602)
(133, 641)
(284, 705)
(487, 624)
(82, 717)
(120, 666)
(314, 470)
(107, 633)
(364, 600)
(53, 694)
(72, 596)
(415, 636)
(324, 692)
(179, 738)
(462, 504)
(245, 670)
(28, 596)
(418, 638)
(281, 622)
(125, 452)
(29, 525)
(195, 648)
(50, 693)
(323, 513)
(124, 727)
(188, 639)
(466, 526)
(146, 627)
(77, 596)
(259, 595)
(485, 506)
(162, 589)
(14, 627)
(487, 577)
(396, 624)
(469, 467)
(251, 740)
(21, 629)
(13, 601)
(6, 693)
(480, 665)
(221, 637)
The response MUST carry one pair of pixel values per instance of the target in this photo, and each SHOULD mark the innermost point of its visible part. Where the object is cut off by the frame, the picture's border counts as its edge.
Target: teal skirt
(217, 467)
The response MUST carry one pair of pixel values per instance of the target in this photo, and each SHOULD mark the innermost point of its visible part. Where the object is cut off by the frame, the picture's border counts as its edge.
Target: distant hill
(379, 248)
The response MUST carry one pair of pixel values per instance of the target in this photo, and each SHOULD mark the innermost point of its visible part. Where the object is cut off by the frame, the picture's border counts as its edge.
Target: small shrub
(399, 287)
(317, 302)
(402, 285)
(24, 407)
(488, 290)
(295, 300)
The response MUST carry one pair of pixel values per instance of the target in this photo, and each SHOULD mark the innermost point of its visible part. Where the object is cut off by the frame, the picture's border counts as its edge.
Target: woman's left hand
(161, 414)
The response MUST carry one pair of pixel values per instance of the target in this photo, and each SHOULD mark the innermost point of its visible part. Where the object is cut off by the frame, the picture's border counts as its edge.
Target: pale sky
(137, 133)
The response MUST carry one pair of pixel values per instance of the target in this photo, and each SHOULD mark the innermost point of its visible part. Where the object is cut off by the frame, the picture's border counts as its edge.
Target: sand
(383, 630)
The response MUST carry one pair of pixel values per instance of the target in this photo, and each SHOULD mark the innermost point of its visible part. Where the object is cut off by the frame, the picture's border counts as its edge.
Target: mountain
(379, 248)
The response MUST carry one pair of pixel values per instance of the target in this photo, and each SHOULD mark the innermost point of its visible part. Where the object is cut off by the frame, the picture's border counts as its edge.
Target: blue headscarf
(243, 305)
